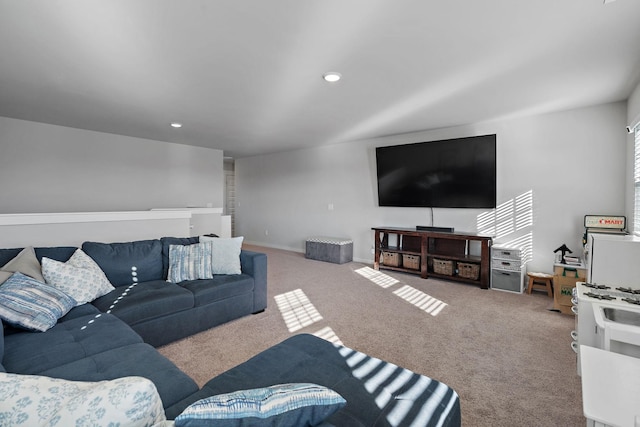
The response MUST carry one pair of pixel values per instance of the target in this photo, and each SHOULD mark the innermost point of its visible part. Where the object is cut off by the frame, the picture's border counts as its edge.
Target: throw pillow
(38, 401)
(26, 263)
(189, 262)
(167, 242)
(80, 277)
(225, 254)
(32, 305)
(296, 404)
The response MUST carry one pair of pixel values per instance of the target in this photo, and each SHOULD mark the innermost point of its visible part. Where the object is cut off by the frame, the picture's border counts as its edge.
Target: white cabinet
(507, 269)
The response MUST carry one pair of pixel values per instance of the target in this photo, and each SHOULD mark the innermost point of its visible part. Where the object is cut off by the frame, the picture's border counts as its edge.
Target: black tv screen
(452, 173)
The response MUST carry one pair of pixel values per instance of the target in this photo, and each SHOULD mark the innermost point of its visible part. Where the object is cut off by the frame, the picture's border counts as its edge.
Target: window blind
(636, 180)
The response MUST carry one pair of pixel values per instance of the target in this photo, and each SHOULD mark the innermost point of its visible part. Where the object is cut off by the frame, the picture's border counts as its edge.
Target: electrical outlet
(266, 232)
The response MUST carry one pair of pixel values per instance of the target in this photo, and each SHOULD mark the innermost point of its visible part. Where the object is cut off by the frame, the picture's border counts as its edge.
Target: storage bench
(330, 249)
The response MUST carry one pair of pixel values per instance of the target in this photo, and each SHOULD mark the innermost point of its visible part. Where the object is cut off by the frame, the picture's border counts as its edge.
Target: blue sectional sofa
(160, 311)
(114, 336)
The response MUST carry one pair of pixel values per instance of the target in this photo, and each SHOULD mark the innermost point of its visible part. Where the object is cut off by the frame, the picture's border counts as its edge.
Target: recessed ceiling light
(176, 125)
(332, 76)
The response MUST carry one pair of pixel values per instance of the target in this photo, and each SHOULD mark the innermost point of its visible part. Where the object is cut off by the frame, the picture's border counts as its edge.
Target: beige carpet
(506, 354)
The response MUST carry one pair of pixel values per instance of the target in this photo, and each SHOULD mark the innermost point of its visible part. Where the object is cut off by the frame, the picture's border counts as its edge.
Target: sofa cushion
(167, 242)
(139, 359)
(25, 262)
(69, 340)
(128, 262)
(38, 401)
(80, 277)
(225, 254)
(7, 255)
(30, 304)
(79, 311)
(279, 405)
(59, 253)
(189, 262)
(146, 300)
(220, 287)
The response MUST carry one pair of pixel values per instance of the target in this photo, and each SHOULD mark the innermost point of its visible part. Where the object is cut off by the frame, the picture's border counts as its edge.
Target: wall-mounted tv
(452, 173)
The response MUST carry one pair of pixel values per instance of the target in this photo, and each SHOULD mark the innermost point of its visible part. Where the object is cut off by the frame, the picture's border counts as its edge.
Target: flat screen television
(452, 173)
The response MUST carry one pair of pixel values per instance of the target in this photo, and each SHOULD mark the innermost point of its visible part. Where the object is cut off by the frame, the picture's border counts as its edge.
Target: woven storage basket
(442, 266)
(468, 271)
(391, 259)
(411, 261)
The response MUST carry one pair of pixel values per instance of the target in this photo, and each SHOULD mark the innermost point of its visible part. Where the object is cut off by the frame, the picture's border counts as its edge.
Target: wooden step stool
(541, 281)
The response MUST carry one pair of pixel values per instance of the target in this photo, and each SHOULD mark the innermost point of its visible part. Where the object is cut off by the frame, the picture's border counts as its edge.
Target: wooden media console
(443, 255)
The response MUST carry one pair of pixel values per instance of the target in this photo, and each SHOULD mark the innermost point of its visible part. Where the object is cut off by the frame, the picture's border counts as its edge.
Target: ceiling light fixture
(176, 125)
(331, 76)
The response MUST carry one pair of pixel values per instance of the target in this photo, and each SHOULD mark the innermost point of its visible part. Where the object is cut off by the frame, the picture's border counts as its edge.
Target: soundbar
(431, 228)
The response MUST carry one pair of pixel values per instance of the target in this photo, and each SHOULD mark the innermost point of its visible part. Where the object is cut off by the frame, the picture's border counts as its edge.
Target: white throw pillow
(26, 263)
(38, 400)
(80, 277)
(225, 254)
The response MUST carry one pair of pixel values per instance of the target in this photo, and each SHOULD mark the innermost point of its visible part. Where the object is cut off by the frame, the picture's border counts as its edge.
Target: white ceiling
(244, 76)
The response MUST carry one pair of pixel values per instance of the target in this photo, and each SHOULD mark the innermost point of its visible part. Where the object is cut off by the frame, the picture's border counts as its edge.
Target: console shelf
(444, 255)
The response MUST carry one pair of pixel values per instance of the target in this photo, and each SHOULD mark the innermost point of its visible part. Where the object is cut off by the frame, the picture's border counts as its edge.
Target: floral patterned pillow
(80, 277)
(32, 400)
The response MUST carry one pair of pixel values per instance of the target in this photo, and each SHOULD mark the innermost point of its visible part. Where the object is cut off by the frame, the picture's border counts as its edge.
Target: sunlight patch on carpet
(296, 309)
(380, 279)
(423, 301)
(328, 334)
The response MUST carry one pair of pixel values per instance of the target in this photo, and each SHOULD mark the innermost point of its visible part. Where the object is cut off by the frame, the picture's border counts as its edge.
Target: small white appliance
(613, 259)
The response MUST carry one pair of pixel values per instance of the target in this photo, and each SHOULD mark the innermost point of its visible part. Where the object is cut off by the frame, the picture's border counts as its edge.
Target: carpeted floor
(507, 355)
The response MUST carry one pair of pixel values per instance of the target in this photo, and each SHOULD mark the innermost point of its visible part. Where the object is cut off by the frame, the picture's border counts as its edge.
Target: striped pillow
(189, 262)
(295, 404)
(32, 305)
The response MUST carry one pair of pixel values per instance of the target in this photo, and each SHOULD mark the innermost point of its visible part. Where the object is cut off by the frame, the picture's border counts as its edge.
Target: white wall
(571, 163)
(46, 168)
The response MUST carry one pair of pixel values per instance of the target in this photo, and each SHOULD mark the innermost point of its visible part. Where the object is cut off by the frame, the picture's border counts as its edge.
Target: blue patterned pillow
(32, 305)
(296, 404)
(189, 262)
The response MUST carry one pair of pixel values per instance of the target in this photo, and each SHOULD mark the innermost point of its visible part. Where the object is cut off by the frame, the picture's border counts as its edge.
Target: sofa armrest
(255, 265)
